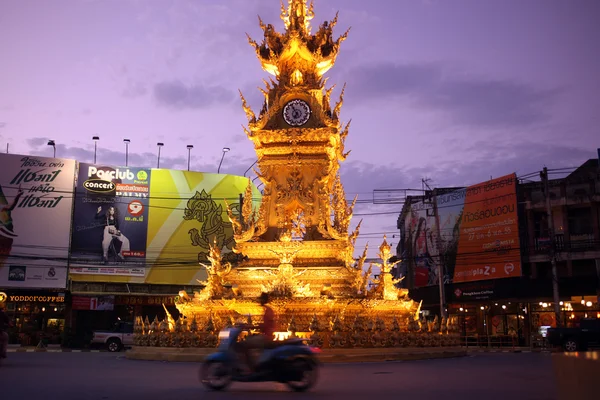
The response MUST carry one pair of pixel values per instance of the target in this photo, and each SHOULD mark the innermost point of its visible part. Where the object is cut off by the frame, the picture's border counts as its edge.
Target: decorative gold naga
(214, 286)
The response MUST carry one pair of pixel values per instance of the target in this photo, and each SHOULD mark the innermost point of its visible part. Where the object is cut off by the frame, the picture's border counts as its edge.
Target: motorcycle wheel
(308, 373)
(215, 375)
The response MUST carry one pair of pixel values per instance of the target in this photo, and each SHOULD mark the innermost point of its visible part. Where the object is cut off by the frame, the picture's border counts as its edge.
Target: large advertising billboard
(161, 227)
(110, 220)
(36, 201)
(488, 247)
(471, 234)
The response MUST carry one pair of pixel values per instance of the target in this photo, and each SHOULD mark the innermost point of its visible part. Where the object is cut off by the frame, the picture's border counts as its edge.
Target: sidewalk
(52, 348)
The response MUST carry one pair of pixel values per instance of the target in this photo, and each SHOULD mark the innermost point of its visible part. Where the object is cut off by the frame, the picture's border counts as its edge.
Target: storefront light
(541, 303)
(55, 309)
(583, 301)
(589, 304)
(544, 305)
(561, 303)
(504, 306)
(461, 309)
(482, 307)
(43, 309)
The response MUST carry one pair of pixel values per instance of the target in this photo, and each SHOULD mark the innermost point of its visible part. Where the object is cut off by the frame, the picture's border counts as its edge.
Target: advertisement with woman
(35, 216)
(110, 221)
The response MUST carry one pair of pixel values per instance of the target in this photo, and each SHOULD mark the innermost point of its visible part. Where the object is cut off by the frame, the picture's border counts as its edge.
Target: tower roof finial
(298, 15)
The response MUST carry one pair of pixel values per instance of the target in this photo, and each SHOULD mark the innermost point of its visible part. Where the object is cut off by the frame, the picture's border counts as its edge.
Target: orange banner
(489, 247)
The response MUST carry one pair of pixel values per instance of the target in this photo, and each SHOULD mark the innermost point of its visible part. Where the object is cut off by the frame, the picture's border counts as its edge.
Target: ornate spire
(298, 15)
(297, 56)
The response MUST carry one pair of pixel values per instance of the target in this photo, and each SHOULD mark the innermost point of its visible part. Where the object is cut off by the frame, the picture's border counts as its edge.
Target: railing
(536, 342)
(575, 243)
(582, 242)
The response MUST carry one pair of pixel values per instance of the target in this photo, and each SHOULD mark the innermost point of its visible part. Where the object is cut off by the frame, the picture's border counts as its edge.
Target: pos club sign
(110, 222)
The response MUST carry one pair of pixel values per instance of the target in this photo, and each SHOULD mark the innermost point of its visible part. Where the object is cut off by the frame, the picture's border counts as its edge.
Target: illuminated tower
(299, 143)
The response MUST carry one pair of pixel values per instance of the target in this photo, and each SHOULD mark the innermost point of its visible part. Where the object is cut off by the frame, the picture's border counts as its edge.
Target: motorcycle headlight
(224, 334)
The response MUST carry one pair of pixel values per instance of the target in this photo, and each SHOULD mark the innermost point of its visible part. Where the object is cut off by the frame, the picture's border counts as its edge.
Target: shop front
(36, 316)
(511, 311)
(100, 312)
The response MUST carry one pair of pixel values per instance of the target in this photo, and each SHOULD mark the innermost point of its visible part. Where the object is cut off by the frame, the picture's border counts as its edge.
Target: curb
(53, 351)
(46, 350)
(325, 358)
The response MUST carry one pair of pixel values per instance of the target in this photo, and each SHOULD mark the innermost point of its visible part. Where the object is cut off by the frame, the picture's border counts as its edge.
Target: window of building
(580, 221)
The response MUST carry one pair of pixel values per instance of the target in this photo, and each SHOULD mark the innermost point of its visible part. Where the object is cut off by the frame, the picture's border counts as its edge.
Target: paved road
(103, 376)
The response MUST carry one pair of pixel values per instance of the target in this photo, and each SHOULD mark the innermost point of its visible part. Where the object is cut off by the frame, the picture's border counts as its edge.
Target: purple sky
(456, 91)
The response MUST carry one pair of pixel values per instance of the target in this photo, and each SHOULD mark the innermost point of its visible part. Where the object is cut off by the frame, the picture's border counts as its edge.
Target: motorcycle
(289, 361)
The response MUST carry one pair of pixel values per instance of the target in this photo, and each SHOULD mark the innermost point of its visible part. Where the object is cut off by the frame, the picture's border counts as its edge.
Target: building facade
(518, 310)
(83, 246)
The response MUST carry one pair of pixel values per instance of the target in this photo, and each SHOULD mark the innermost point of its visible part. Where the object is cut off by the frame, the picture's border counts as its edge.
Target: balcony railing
(574, 243)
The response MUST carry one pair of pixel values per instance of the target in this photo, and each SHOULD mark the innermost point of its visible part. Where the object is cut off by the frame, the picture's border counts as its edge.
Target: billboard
(472, 233)
(489, 247)
(110, 220)
(166, 222)
(36, 201)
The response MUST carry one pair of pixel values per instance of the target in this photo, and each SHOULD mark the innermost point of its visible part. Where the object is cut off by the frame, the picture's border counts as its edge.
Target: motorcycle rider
(266, 328)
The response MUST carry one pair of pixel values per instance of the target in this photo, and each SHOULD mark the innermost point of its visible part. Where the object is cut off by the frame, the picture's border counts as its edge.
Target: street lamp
(189, 147)
(126, 141)
(159, 144)
(250, 167)
(95, 139)
(225, 150)
(51, 143)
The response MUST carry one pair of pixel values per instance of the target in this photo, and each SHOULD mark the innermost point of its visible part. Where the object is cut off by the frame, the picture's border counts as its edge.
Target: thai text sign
(36, 199)
(488, 246)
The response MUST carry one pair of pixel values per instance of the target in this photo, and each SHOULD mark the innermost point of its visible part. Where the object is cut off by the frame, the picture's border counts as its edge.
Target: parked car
(117, 338)
(586, 336)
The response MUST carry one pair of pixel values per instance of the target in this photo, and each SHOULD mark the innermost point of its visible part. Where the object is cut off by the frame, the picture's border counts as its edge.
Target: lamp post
(50, 143)
(159, 144)
(126, 141)
(250, 167)
(95, 139)
(225, 150)
(189, 147)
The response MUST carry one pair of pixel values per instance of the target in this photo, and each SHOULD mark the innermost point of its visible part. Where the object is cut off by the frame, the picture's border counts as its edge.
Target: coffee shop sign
(36, 299)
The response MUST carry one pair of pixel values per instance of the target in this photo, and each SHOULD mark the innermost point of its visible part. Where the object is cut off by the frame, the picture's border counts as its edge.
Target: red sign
(99, 303)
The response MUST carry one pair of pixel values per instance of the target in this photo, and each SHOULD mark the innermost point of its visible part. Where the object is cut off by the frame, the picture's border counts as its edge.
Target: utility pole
(552, 252)
(438, 259)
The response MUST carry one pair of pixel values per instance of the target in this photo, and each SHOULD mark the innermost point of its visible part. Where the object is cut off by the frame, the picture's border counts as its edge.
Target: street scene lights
(189, 147)
(159, 144)
(126, 141)
(51, 143)
(95, 139)
(225, 150)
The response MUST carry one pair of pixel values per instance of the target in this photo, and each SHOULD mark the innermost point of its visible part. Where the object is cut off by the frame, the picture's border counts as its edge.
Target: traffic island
(327, 355)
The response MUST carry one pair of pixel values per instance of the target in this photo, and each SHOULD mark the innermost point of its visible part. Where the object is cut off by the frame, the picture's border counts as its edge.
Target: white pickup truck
(120, 336)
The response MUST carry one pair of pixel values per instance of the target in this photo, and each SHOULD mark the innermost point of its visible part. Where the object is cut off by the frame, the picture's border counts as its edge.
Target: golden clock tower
(299, 142)
(296, 245)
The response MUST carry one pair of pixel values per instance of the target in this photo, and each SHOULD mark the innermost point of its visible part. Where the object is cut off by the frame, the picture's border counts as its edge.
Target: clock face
(296, 112)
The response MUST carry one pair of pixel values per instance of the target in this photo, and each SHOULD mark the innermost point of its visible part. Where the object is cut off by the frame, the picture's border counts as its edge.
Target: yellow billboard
(186, 212)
